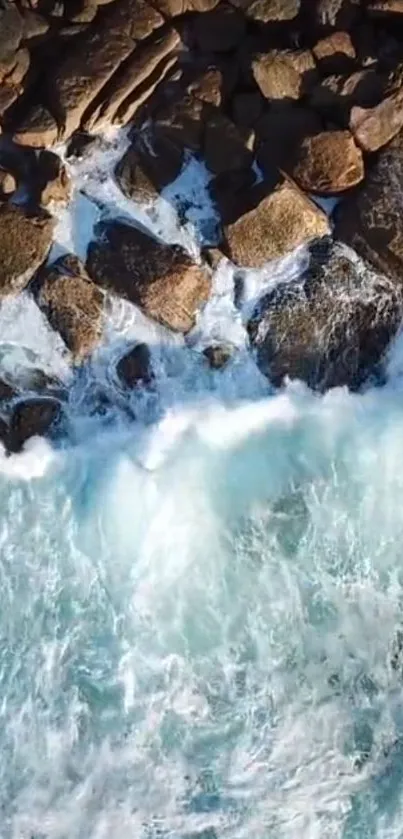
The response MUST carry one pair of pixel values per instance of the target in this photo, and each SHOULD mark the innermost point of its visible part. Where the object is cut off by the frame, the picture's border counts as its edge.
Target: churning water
(198, 606)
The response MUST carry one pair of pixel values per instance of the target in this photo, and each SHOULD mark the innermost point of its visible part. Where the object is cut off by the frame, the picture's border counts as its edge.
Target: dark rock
(371, 220)
(6, 391)
(385, 7)
(81, 144)
(31, 418)
(182, 122)
(219, 30)
(11, 30)
(283, 220)
(135, 366)
(280, 133)
(38, 128)
(161, 279)
(25, 241)
(73, 305)
(336, 95)
(218, 355)
(52, 182)
(229, 192)
(173, 8)
(269, 11)
(247, 108)
(330, 329)
(209, 86)
(335, 54)
(224, 148)
(284, 74)
(328, 163)
(148, 166)
(132, 179)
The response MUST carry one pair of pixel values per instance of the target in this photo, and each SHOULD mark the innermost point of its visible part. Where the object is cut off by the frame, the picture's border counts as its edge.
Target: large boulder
(328, 163)
(281, 221)
(371, 220)
(331, 328)
(73, 304)
(161, 279)
(25, 241)
(31, 418)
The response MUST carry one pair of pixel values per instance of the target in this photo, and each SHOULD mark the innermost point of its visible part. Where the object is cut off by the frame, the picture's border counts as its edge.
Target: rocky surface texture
(281, 100)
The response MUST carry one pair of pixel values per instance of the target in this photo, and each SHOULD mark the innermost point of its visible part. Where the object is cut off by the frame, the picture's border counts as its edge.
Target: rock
(52, 182)
(182, 122)
(224, 148)
(8, 184)
(6, 391)
(132, 179)
(336, 95)
(35, 26)
(135, 367)
(280, 133)
(282, 221)
(335, 54)
(219, 30)
(32, 418)
(85, 70)
(11, 30)
(330, 329)
(218, 355)
(173, 8)
(247, 108)
(371, 221)
(269, 11)
(25, 241)
(82, 144)
(82, 12)
(161, 279)
(208, 87)
(230, 193)
(143, 71)
(340, 14)
(20, 68)
(385, 7)
(73, 305)
(147, 167)
(37, 129)
(375, 127)
(284, 74)
(328, 163)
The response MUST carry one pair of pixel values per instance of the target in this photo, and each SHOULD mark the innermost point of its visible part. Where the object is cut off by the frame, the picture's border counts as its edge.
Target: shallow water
(198, 606)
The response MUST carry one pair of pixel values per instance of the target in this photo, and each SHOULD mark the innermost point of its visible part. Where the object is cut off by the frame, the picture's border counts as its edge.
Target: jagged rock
(30, 418)
(219, 30)
(161, 279)
(73, 305)
(284, 74)
(375, 127)
(11, 30)
(132, 179)
(280, 133)
(52, 182)
(328, 163)
(269, 11)
(37, 129)
(25, 241)
(135, 366)
(371, 221)
(143, 71)
(82, 144)
(330, 329)
(284, 219)
(218, 355)
(81, 76)
(335, 54)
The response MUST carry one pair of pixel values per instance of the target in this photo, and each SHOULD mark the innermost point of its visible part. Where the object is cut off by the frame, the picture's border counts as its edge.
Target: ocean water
(201, 586)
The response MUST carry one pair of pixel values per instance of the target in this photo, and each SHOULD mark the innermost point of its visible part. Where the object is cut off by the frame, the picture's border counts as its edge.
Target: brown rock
(73, 305)
(219, 30)
(24, 244)
(11, 30)
(208, 87)
(269, 11)
(340, 14)
(161, 279)
(182, 122)
(331, 329)
(31, 418)
(35, 26)
(218, 355)
(37, 129)
(224, 148)
(282, 221)
(8, 184)
(135, 367)
(147, 167)
(328, 163)
(375, 127)
(371, 221)
(281, 131)
(173, 8)
(52, 180)
(132, 179)
(335, 54)
(385, 7)
(284, 74)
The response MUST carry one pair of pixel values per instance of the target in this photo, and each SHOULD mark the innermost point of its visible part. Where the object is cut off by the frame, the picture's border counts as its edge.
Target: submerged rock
(135, 366)
(31, 418)
(161, 279)
(218, 355)
(25, 241)
(332, 327)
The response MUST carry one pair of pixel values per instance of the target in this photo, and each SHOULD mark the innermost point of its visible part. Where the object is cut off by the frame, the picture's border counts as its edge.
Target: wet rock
(82, 144)
(230, 191)
(52, 182)
(219, 30)
(73, 305)
(335, 54)
(330, 329)
(37, 129)
(284, 219)
(375, 127)
(31, 418)
(135, 367)
(385, 7)
(269, 11)
(284, 74)
(218, 355)
(280, 133)
(147, 167)
(25, 241)
(328, 163)
(371, 220)
(182, 122)
(161, 279)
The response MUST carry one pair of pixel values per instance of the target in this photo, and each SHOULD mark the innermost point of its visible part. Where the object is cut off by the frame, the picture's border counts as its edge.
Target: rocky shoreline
(285, 102)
